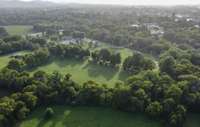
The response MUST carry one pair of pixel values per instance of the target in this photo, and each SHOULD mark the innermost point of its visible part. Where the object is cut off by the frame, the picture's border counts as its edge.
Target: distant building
(68, 40)
(39, 34)
(196, 26)
(154, 29)
(135, 26)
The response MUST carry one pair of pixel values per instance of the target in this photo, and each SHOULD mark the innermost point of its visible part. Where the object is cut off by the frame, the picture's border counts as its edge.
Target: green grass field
(84, 71)
(6, 58)
(18, 29)
(88, 117)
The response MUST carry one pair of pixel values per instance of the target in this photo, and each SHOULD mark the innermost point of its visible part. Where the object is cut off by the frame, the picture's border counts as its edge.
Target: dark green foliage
(3, 32)
(105, 57)
(137, 63)
(78, 35)
(48, 113)
(150, 92)
(167, 65)
(39, 57)
(68, 51)
(166, 92)
(154, 109)
(16, 65)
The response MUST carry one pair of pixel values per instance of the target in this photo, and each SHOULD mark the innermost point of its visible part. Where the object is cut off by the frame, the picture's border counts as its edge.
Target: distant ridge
(28, 4)
(47, 4)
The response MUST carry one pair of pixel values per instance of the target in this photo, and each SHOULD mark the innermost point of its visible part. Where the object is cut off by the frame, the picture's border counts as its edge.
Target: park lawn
(18, 29)
(6, 58)
(125, 52)
(85, 71)
(192, 120)
(88, 117)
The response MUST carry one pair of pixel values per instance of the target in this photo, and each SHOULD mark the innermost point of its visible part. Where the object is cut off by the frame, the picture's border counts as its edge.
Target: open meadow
(83, 71)
(18, 29)
(88, 117)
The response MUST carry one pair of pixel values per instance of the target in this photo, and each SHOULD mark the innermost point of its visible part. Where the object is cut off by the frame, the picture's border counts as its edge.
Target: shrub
(49, 112)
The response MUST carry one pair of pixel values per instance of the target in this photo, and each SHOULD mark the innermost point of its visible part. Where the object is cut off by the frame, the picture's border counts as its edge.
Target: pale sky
(131, 2)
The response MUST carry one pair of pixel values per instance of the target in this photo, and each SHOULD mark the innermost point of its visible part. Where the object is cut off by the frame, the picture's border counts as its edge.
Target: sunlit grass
(84, 71)
(18, 29)
(88, 117)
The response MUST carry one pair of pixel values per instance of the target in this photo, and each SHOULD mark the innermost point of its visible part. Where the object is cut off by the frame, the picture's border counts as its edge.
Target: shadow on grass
(123, 75)
(61, 63)
(70, 62)
(95, 70)
(5, 92)
(44, 121)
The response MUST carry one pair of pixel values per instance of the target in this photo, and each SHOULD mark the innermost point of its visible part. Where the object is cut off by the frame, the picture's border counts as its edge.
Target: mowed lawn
(18, 29)
(83, 71)
(88, 117)
(6, 58)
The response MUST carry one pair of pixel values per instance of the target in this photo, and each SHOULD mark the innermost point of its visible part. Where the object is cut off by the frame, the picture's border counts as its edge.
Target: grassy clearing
(6, 58)
(193, 120)
(88, 117)
(84, 71)
(18, 29)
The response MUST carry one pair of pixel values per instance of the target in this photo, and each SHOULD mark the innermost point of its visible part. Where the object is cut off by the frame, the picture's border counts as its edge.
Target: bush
(49, 112)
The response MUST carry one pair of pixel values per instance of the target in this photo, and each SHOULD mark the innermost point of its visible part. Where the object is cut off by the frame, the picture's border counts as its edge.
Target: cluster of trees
(69, 51)
(106, 57)
(184, 36)
(137, 63)
(116, 27)
(10, 44)
(3, 32)
(29, 61)
(167, 92)
(44, 55)
(180, 64)
(78, 35)
(150, 45)
(153, 93)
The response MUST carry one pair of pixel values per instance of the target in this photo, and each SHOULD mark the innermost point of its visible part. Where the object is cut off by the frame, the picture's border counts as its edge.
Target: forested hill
(22, 4)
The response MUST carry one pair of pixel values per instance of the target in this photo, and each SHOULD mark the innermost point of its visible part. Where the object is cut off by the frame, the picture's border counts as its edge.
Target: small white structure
(135, 26)
(154, 29)
(39, 34)
(68, 40)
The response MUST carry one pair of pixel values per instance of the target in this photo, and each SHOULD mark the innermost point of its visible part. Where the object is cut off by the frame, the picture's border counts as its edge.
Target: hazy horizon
(128, 2)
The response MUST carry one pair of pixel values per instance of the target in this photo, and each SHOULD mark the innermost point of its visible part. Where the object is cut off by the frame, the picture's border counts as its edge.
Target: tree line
(10, 44)
(106, 57)
(153, 93)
